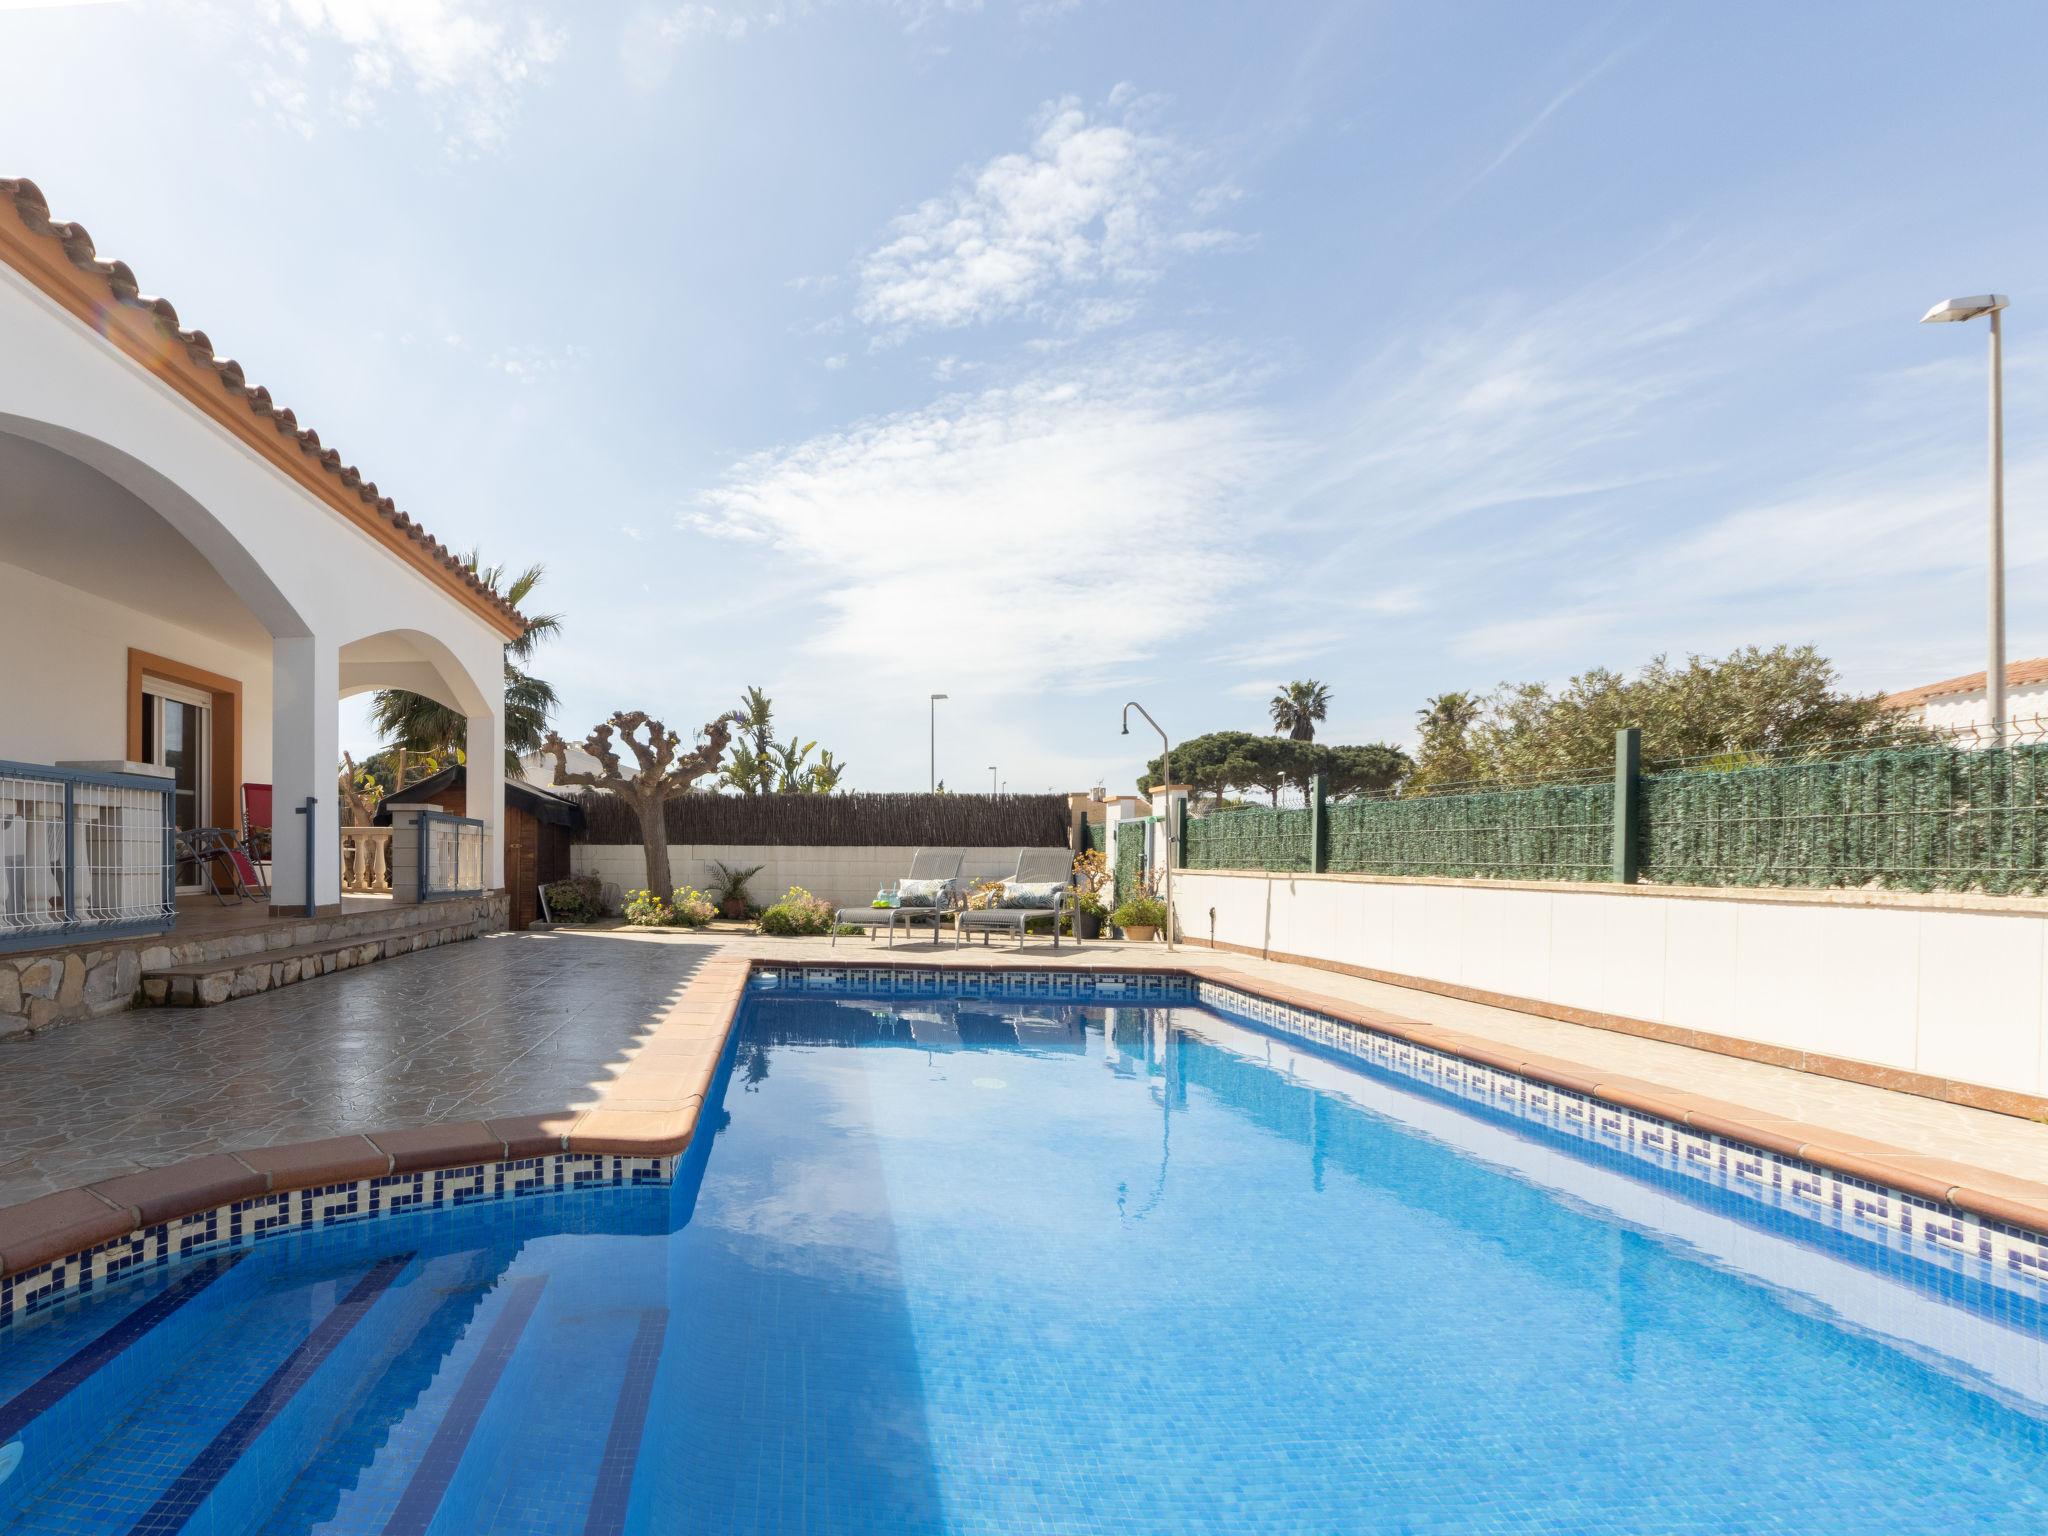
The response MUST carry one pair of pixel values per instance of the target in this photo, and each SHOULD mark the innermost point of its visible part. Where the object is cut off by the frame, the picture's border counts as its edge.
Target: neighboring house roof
(2018, 674)
(60, 261)
(539, 767)
(543, 804)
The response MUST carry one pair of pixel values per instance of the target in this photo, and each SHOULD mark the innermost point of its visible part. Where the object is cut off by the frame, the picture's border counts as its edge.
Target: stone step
(202, 983)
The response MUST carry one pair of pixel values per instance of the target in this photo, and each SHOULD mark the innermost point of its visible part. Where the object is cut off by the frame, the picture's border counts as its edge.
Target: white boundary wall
(844, 876)
(1953, 988)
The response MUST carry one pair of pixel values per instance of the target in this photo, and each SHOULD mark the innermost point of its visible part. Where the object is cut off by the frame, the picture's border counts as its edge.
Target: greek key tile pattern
(974, 981)
(272, 1215)
(1968, 1246)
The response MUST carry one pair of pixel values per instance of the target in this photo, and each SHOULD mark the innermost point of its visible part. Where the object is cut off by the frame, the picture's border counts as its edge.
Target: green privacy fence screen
(1097, 836)
(1251, 838)
(1923, 819)
(1552, 832)
(1129, 865)
(1919, 818)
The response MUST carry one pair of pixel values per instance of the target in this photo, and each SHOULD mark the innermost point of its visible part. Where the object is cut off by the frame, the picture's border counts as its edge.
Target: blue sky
(1049, 353)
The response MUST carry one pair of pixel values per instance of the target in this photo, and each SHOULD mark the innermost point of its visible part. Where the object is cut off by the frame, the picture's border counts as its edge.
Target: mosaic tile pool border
(1970, 1246)
(1063, 985)
(277, 1213)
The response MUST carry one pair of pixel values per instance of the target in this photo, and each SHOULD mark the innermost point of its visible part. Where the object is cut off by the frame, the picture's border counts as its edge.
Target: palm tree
(1297, 707)
(824, 775)
(413, 722)
(742, 770)
(1444, 726)
(790, 776)
(752, 769)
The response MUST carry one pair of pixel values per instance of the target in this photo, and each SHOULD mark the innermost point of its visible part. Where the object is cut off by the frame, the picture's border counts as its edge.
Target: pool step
(202, 983)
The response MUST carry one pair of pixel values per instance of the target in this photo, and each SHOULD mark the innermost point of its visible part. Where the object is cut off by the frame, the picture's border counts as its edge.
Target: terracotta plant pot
(736, 908)
(1140, 933)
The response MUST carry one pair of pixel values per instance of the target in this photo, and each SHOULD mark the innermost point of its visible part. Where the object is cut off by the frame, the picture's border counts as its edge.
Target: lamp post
(935, 741)
(1994, 669)
(1165, 767)
(991, 778)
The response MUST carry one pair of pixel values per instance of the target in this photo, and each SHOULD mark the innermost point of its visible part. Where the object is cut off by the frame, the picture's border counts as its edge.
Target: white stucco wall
(313, 580)
(1958, 711)
(846, 877)
(1954, 991)
(67, 674)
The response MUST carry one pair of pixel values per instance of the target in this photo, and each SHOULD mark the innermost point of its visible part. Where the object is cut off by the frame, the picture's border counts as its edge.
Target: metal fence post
(1628, 762)
(1318, 824)
(70, 853)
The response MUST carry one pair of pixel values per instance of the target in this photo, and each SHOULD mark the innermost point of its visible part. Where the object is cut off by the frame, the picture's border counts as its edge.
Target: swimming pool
(1013, 1263)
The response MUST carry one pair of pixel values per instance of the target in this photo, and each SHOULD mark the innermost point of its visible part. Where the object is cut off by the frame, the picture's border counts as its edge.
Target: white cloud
(834, 363)
(1495, 402)
(1068, 524)
(1095, 200)
(468, 61)
(528, 364)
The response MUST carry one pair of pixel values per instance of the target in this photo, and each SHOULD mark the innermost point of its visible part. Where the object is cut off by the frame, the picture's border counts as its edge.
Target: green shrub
(799, 914)
(693, 908)
(578, 899)
(1140, 911)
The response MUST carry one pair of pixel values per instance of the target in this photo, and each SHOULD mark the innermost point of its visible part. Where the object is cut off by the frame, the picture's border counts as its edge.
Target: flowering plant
(644, 909)
(797, 914)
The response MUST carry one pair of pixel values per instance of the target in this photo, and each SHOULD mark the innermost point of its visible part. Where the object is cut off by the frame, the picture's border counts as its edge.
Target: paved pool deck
(605, 1020)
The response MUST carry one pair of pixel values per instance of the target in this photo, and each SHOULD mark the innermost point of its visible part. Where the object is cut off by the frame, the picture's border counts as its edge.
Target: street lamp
(1994, 670)
(1165, 767)
(991, 778)
(935, 741)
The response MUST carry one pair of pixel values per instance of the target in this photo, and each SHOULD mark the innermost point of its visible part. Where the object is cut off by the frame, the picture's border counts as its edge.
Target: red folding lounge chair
(256, 835)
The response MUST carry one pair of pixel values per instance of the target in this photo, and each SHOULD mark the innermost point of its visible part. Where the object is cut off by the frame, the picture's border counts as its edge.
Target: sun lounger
(1042, 867)
(925, 864)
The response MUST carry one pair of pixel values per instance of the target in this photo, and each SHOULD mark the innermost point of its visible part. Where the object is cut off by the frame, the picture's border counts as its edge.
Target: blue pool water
(1016, 1267)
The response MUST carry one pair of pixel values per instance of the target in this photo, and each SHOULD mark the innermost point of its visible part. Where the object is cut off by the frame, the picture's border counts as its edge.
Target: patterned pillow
(1032, 893)
(924, 893)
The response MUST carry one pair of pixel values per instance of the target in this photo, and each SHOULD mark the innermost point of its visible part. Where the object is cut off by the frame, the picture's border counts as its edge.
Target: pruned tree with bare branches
(665, 771)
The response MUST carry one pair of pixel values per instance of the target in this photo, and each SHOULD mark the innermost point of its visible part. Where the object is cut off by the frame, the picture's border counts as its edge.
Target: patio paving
(517, 1023)
(502, 1025)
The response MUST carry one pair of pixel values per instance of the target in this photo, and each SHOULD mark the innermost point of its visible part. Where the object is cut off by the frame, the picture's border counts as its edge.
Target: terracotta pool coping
(652, 1106)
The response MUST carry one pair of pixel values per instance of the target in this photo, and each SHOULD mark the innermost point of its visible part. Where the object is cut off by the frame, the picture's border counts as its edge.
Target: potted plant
(1141, 917)
(1089, 911)
(1091, 879)
(731, 882)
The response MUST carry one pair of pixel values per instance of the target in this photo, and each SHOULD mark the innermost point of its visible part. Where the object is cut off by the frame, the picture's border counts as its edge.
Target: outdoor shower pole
(1166, 768)
(935, 741)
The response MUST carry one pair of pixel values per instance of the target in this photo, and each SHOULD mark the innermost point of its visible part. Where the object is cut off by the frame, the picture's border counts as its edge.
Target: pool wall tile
(278, 1213)
(1973, 1247)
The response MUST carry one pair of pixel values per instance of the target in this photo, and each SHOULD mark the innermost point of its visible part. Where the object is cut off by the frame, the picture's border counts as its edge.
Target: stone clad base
(93, 980)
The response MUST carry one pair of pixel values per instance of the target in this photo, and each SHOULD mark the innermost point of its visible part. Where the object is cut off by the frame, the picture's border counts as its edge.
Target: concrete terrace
(517, 1025)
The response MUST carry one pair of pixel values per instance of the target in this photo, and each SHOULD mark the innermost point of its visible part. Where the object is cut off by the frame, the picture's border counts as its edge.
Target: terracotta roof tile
(2018, 674)
(33, 210)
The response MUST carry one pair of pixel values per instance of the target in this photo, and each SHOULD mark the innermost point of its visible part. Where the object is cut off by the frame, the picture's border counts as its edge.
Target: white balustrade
(366, 860)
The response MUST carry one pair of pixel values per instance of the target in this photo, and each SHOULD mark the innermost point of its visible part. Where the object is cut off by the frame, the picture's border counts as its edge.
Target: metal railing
(451, 856)
(84, 855)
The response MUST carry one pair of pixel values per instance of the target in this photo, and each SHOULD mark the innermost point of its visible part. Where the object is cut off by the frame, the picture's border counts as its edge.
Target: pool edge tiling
(64, 1244)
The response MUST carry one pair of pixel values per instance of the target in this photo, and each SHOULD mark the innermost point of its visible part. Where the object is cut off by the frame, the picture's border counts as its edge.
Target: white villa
(190, 582)
(1957, 704)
